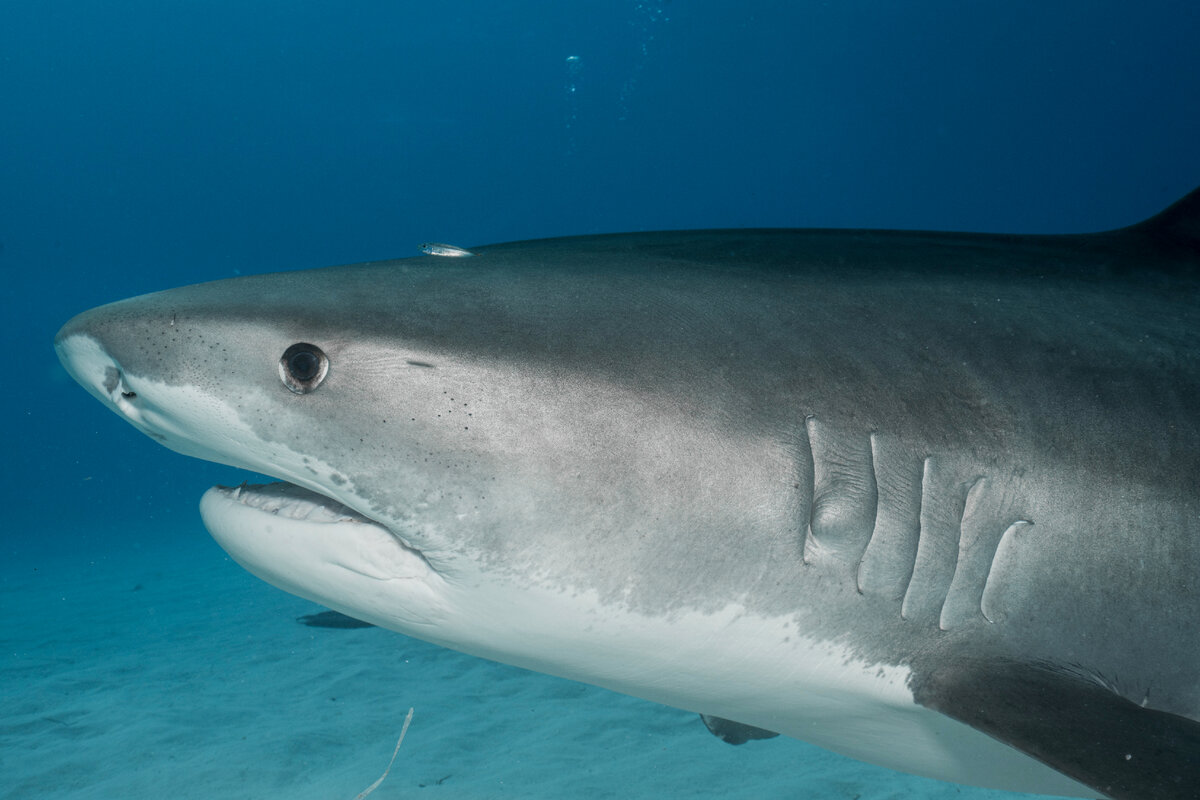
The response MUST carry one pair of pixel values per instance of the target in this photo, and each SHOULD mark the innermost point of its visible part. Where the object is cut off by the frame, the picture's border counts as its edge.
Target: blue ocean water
(145, 145)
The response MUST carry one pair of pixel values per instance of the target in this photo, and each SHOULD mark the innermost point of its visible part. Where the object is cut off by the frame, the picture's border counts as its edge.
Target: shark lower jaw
(317, 548)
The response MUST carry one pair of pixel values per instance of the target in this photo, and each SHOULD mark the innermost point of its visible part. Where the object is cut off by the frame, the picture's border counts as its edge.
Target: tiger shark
(930, 500)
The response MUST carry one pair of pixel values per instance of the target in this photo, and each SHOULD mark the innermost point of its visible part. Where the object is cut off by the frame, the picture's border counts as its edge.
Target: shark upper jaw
(315, 540)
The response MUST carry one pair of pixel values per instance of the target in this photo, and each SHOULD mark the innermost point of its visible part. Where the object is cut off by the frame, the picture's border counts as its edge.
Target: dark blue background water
(146, 144)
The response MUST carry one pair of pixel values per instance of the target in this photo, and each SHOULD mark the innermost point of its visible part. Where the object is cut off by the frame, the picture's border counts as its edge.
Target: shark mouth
(292, 502)
(281, 531)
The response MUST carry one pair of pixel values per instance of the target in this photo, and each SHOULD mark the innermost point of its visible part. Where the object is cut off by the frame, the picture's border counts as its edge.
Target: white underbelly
(753, 670)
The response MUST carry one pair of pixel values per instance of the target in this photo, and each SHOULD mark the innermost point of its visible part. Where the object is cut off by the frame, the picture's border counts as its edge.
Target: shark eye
(302, 367)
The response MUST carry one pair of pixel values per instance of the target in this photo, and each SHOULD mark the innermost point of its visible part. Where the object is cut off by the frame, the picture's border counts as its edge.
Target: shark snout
(90, 364)
(88, 361)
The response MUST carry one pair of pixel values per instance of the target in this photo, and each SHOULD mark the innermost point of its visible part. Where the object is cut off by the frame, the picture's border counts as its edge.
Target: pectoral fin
(1071, 723)
(734, 732)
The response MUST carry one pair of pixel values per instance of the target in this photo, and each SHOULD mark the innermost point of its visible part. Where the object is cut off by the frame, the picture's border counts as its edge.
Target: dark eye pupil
(304, 365)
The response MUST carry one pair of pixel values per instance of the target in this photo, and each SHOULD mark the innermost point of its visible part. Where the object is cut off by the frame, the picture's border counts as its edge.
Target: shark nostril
(114, 382)
(112, 379)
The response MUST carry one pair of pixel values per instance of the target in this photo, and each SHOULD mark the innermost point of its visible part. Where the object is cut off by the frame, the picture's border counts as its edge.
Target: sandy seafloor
(167, 671)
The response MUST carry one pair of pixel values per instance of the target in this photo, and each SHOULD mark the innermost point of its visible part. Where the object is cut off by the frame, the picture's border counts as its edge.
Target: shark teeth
(291, 501)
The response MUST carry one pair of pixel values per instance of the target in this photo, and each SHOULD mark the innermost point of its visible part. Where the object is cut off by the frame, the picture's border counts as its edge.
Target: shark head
(193, 370)
(469, 452)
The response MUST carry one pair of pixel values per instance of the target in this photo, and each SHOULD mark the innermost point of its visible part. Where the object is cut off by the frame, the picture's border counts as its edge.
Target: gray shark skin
(927, 499)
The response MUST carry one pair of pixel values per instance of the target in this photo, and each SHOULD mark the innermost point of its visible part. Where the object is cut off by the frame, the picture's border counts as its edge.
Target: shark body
(927, 499)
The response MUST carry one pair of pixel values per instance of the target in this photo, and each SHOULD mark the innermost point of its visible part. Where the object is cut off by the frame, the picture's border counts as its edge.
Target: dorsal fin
(1176, 227)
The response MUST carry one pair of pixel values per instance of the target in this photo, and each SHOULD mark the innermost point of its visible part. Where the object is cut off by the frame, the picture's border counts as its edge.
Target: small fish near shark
(930, 500)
